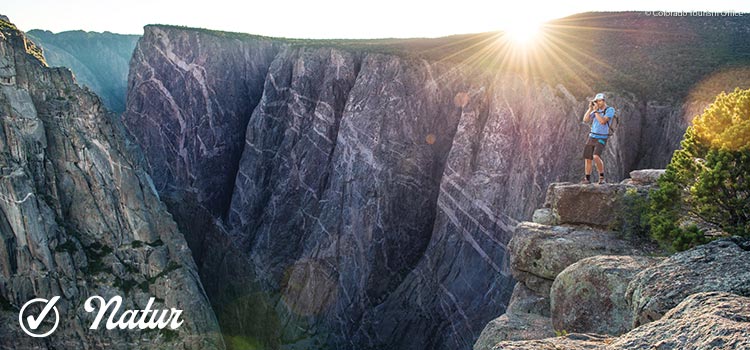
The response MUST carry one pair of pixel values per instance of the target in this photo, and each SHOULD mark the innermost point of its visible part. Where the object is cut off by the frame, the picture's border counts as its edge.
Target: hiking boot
(585, 181)
(602, 181)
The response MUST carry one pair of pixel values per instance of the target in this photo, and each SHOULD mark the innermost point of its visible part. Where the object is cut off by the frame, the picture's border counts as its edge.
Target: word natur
(130, 318)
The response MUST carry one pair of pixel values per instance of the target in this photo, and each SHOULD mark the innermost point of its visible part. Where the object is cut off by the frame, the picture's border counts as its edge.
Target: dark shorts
(592, 147)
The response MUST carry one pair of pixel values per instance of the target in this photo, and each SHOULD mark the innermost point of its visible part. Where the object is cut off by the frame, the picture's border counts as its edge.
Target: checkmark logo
(33, 322)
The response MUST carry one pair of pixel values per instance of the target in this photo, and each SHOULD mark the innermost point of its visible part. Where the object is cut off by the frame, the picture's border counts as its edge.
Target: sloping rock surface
(711, 320)
(719, 266)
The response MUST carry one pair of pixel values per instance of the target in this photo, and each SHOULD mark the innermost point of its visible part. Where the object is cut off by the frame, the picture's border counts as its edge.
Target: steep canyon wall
(352, 198)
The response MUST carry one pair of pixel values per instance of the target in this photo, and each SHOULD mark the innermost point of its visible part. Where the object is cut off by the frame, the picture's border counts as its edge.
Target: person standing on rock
(599, 115)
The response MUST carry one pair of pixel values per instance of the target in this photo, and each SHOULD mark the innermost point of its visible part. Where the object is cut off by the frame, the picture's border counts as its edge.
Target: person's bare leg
(599, 164)
(588, 166)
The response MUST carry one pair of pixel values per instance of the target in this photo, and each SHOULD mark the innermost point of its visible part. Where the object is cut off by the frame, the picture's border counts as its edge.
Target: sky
(325, 18)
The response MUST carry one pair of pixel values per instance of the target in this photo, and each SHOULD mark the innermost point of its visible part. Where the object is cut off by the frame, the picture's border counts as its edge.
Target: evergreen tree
(708, 179)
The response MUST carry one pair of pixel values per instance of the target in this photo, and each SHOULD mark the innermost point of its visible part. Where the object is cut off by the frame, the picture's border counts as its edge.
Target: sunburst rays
(585, 53)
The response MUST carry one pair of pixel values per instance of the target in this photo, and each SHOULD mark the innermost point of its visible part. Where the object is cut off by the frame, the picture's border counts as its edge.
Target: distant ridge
(98, 60)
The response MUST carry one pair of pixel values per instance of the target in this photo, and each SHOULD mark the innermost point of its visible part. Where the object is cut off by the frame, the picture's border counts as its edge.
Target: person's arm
(586, 118)
(603, 118)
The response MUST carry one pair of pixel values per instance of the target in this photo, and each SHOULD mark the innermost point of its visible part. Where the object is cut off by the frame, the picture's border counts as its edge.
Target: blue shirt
(599, 130)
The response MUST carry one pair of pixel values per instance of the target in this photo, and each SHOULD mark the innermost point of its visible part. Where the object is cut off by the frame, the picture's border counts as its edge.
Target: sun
(523, 32)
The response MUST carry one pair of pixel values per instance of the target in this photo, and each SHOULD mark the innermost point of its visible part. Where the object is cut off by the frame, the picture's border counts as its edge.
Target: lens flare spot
(430, 139)
(461, 99)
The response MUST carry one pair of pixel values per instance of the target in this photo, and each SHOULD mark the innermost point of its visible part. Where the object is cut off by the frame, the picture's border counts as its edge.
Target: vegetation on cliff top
(659, 58)
(9, 28)
(7, 25)
(707, 184)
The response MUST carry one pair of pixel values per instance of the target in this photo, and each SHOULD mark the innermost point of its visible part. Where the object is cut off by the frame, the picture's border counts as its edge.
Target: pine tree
(708, 179)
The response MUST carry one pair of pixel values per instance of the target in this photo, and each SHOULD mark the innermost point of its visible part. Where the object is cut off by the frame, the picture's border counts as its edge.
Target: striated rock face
(189, 101)
(589, 296)
(722, 266)
(367, 198)
(79, 216)
(711, 320)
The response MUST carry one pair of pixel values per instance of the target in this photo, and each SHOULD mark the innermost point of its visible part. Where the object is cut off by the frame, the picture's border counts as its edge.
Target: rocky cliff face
(98, 60)
(79, 215)
(366, 198)
(609, 290)
(372, 195)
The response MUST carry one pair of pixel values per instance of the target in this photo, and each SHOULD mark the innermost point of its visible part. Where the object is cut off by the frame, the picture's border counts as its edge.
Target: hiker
(599, 115)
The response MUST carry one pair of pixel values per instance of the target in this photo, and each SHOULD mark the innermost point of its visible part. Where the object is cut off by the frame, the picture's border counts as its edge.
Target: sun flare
(523, 32)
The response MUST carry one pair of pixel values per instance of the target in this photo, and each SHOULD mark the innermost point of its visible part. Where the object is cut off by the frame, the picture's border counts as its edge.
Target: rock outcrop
(79, 216)
(708, 320)
(572, 277)
(514, 326)
(696, 299)
(644, 177)
(712, 320)
(589, 296)
(527, 317)
(539, 252)
(594, 206)
(719, 266)
(565, 342)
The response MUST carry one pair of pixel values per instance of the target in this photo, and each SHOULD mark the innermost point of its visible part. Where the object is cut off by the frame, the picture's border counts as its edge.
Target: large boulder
(593, 205)
(567, 342)
(722, 265)
(527, 317)
(544, 216)
(644, 177)
(538, 253)
(589, 296)
(514, 327)
(713, 320)
(526, 301)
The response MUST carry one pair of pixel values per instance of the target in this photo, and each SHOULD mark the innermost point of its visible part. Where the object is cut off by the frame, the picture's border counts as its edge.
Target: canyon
(354, 194)
(323, 194)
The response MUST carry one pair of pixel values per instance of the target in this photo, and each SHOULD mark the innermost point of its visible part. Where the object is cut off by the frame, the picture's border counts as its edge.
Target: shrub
(707, 182)
(632, 220)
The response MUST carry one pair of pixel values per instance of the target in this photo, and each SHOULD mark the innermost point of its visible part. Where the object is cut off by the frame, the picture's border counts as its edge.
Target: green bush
(632, 220)
(707, 182)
